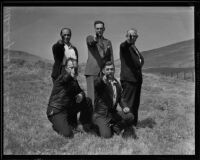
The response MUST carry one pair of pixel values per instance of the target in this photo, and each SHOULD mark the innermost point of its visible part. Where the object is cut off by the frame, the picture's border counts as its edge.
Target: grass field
(166, 117)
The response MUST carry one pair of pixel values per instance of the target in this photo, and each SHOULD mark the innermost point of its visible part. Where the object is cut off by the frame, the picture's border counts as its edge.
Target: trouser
(115, 124)
(131, 94)
(64, 121)
(90, 87)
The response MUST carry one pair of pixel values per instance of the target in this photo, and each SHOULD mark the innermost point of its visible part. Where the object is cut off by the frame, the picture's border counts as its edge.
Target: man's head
(131, 35)
(71, 66)
(99, 28)
(109, 70)
(66, 34)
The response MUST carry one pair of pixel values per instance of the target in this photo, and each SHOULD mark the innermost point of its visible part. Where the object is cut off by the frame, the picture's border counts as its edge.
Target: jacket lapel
(133, 51)
(118, 91)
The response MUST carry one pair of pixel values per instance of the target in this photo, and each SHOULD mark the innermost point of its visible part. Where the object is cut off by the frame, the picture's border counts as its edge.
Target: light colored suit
(99, 52)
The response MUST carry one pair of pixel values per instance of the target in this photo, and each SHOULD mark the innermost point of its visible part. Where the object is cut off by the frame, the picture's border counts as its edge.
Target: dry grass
(166, 117)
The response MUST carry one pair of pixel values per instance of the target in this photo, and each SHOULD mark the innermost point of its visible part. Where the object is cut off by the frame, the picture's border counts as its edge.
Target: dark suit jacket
(58, 54)
(99, 52)
(131, 68)
(103, 104)
(65, 88)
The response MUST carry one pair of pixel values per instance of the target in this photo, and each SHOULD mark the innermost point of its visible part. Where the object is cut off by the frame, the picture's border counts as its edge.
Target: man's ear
(103, 70)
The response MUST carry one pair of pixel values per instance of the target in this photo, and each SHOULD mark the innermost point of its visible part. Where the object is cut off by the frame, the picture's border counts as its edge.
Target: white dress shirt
(113, 82)
(69, 53)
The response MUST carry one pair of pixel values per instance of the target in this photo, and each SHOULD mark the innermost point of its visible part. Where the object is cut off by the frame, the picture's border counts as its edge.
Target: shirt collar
(113, 81)
(70, 45)
(102, 38)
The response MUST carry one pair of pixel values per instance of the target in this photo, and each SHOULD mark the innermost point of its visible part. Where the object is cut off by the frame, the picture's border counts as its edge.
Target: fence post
(184, 75)
(193, 75)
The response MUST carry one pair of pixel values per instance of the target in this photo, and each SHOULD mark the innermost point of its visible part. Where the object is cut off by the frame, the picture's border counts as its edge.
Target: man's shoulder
(73, 46)
(116, 81)
(106, 39)
(89, 37)
(123, 44)
(58, 43)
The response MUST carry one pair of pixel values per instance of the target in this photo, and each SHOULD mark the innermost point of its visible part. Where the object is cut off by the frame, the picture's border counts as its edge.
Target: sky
(36, 29)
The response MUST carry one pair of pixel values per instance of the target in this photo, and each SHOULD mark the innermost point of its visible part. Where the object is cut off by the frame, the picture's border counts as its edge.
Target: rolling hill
(166, 115)
(178, 55)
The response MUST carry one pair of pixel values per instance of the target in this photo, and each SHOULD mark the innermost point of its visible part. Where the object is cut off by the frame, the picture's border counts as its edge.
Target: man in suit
(131, 72)
(62, 50)
(99, 51)
(108, 96)
(66, 100)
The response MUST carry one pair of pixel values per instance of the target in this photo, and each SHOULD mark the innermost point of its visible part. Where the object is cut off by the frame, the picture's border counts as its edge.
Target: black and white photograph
(96, 80)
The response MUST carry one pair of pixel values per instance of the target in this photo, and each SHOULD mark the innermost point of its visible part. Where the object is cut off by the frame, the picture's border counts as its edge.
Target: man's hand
(126, 110)
(95, 37)
(71, 73)
(68, 70)
(60, 41)
(79, 98)
(105, 79)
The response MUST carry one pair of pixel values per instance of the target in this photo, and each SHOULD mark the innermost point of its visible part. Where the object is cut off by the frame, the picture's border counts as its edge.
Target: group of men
(98, 111)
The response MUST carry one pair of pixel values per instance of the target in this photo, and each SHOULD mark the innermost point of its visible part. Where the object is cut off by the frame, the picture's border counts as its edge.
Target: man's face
(72, 68)
(132, 36)
(99, 29)
(109, 71)
(66, 35)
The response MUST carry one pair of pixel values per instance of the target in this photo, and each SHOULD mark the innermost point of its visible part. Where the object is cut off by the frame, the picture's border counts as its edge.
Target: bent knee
(67, 134)
(130, 116)
(106, 135)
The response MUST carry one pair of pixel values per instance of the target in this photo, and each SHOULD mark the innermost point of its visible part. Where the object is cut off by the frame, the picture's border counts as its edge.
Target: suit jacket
(65, 88)
(99, 52)
(131, 68)
(103, 104)
(58, 54)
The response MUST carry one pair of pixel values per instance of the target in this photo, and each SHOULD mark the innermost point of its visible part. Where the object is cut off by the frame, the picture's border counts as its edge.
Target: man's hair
(64, 29)
(108, 63)
(132, 29)
(98, 22)
(70, 59)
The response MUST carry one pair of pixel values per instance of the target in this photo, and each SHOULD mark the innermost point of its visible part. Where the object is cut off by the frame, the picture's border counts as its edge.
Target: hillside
(178, 55)
(166, 115)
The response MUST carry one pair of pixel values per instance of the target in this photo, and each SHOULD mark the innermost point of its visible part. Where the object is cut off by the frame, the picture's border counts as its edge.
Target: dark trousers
(131, 94)
(116, 122)
(64, 121)
(90, 87)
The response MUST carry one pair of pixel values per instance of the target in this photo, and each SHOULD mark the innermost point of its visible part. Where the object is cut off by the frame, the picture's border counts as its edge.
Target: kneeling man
(66, 100)
(107, 96)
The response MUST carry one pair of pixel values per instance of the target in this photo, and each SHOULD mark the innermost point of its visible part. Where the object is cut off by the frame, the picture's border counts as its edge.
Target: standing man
(66, 100)
(99, 51)
(108, 96)
(131, 72)
(62, 50)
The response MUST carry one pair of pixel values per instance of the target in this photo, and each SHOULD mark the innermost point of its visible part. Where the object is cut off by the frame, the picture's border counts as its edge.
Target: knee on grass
(67, 134)
(106, 135)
